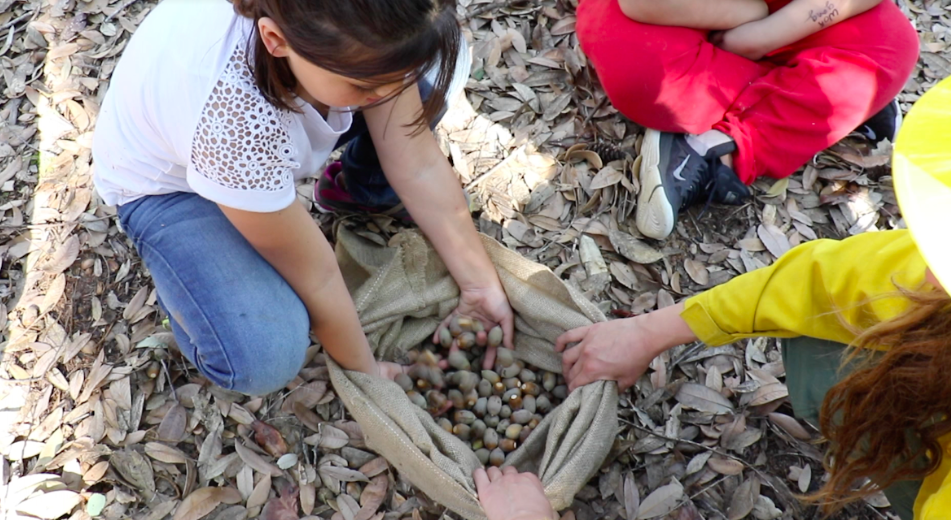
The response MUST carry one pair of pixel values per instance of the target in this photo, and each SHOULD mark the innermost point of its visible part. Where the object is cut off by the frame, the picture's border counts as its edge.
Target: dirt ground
(100, 416)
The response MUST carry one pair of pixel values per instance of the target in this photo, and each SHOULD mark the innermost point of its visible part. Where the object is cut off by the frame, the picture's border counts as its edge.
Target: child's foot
(332, 197)
(679, 170)
(883, 125)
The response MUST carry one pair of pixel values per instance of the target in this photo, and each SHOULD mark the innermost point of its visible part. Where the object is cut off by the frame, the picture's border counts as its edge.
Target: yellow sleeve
(809, 290)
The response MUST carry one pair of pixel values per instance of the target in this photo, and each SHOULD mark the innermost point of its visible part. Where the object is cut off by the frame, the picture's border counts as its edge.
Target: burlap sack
(402, 293)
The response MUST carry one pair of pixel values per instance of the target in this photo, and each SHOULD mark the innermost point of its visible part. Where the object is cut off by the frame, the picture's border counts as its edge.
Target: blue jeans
(234, 317)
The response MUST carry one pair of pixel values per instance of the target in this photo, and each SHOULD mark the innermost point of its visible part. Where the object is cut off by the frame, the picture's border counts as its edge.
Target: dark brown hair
(884, 419)
(360, 39)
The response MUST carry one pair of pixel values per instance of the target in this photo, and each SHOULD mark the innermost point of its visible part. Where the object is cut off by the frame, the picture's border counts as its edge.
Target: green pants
(812, 368)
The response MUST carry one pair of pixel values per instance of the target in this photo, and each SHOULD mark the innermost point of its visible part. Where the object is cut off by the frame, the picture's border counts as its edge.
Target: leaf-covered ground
(101, 417)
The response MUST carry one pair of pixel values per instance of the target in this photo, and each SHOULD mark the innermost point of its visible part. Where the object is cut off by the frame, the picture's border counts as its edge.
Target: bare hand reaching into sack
(507, 494)
(490, 306)
(621, 350)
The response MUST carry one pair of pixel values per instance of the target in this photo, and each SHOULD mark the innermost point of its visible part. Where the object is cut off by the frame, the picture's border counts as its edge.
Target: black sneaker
(883, 125)
(679, 170)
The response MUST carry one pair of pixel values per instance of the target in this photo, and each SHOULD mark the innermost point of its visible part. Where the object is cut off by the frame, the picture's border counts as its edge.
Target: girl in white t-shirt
(212, 114)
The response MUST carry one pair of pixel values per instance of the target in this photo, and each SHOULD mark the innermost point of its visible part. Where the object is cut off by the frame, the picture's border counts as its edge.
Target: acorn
(153, 370)
(491, 376)
(455, 327)
(510, 371)
(472, 397)
(515, 402)
(480, 406)
(477, 444)
(499, 388)
(521, 416)
(503, 424)
(483, 455)
(505, 412)
(511, 383)
(560, 392)
(478, 429)
(445, 337)
(417, 399)
(466, 340)
(464, 417)
(548, 381)
(477, 326)
(533, 423)
(492, 421)
(494, 405)
(455, 396)
(427, 358)
(527, 376)
(466, 323)
(511, 393)
(462, 431)
(542, 404)
(523, 436)
(405, 382)
(508, 445)
(531, 389)
(459, 361)
(490, 439)
(530, 403)
(468, 381)
(445, 424)
(497, 457)
(512, 431)
(495, 336)
(436, 401)
(484, 388)
(503, 356)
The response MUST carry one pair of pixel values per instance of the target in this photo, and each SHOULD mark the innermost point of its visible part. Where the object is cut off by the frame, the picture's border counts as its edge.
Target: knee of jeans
(273, 363)
(266, 354)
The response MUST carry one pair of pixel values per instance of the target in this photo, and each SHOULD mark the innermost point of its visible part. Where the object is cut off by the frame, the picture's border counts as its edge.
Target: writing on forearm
(825, 16)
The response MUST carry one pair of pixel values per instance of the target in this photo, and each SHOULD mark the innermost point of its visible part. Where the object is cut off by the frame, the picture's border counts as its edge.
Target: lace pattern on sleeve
(242, 140)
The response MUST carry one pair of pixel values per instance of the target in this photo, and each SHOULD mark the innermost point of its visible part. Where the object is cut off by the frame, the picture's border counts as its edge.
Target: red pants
(781, 110)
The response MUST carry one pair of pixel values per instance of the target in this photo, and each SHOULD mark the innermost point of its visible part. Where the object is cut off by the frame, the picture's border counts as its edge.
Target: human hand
(389, 370)
(752, 40)
(620, 350)
(507, 494)
(491, 307)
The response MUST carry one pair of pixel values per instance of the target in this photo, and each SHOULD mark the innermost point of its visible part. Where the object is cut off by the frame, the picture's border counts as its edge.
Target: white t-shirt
(183, 114)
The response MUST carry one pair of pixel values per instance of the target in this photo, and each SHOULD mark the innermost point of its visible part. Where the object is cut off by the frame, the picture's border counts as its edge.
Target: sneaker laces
(705, 185)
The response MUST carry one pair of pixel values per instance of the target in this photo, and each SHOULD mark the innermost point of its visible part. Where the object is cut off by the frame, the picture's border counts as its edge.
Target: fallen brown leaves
(101, 418)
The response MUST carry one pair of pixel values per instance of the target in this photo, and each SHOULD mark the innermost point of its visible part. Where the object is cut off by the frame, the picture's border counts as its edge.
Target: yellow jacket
(807, 292)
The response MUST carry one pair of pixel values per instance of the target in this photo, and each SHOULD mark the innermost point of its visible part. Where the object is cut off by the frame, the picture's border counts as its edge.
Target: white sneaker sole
(655, 217)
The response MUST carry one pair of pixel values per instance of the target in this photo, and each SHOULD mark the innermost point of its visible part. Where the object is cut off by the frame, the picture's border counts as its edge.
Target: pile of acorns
(494, 411)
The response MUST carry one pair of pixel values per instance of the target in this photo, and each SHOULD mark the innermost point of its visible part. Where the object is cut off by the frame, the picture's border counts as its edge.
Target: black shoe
(883, 125)
(678, 171)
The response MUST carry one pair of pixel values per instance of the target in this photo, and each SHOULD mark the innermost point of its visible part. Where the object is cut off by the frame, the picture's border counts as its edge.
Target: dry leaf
(164, 453)
(774, 239)
(283, 507)
(701, 398)
(790, 426)
(342, 474)
(661, 501)
(255, 461)
(269, 438)
(261, 492)
(372, 497)
(744, 498)
(769, 393)
(308, 496)
(172, 427)
(805, 478)
(697, 271)
(374, 467)
(633, 249)
(205, 500)
(725, 466)
(608, 176)
(632, 497)
(53, 504)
